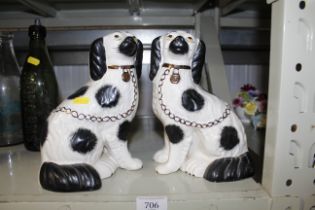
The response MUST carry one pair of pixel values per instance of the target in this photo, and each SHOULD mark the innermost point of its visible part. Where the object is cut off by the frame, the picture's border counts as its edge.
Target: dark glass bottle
(39, 90)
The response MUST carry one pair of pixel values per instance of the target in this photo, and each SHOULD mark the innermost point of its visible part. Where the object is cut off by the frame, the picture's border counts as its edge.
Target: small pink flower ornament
(251, 106)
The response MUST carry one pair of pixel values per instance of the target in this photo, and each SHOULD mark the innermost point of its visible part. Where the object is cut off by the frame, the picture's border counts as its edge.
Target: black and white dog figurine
(203, 137)
(87, 133)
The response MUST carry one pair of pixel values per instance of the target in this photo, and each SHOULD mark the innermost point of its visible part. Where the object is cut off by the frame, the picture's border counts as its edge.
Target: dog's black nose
(179, 45)
(128, 46)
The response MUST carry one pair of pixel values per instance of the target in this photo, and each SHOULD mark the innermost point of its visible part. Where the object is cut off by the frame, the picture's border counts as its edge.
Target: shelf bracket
(134, 7)
(214, 64)
(201, 5)
(231, 6)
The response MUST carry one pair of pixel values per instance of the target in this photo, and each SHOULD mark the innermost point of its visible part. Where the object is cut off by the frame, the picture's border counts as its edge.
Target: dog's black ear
(138, 61)
(155, 57)
(97, 59)
(198, 61)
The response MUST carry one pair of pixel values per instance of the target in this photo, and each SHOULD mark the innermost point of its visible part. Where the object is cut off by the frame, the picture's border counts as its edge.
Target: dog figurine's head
(119, 48)
(178, 48)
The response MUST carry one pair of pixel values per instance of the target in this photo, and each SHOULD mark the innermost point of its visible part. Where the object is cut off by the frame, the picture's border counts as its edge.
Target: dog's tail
(230, 169)
(69, 178)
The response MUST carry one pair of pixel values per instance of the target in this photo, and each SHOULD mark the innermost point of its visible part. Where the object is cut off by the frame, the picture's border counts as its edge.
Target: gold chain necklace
(100, 119)
(181, 120)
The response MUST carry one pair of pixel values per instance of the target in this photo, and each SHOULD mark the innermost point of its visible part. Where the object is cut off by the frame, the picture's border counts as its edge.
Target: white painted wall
(238, 75)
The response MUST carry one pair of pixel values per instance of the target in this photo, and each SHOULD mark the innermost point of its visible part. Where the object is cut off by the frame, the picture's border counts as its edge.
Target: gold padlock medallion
(125, 76)
(175, 77)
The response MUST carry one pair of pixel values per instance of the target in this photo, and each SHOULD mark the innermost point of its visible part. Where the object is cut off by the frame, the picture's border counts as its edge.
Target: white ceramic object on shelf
(87, 133)
(203, 136)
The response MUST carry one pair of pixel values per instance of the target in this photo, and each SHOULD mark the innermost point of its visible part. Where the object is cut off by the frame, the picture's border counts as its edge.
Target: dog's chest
(113, 97)
(185, 102)
(167, 98)
(106, 98)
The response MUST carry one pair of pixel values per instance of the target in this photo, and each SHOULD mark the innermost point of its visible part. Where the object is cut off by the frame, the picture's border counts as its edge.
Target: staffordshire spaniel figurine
(87, 133)
(203, 137)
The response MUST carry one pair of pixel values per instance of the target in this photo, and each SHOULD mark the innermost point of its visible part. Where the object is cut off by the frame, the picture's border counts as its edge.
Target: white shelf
(20, 189)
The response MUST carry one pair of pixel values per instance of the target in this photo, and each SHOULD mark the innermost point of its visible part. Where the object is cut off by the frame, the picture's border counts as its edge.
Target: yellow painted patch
(81, 100)
(33, 60)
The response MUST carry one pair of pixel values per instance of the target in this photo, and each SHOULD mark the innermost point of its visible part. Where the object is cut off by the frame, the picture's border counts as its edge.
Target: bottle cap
(37, 31)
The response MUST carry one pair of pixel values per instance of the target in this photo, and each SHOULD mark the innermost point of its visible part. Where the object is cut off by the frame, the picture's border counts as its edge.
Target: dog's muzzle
(179, 45)
(128, 46)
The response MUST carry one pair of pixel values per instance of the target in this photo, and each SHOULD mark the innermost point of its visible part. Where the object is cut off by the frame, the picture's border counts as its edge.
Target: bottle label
(34, 61)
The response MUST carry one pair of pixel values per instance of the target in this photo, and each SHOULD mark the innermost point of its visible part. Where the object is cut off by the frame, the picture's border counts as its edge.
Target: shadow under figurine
(87, 133)
(203, 137)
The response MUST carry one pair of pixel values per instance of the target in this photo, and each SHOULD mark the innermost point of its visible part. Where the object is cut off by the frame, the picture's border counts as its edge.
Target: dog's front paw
(133, 164)
(161, 156)
(165, 169)
(104, 172)
(194, 167)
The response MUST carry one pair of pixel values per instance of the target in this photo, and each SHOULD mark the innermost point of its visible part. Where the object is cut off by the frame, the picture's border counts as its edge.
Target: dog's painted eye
(190, 38)
(170, 36)
(116, 36)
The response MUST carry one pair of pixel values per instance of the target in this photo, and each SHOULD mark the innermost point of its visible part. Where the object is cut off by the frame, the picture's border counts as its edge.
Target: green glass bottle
(39, 90)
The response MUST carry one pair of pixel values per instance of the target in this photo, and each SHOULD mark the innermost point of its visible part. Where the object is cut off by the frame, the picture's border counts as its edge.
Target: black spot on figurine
(107, 96)
(198, 61)
(78, 93)
(155, 57)
(192, 101)
(98, 65)
(83, 141)
(139, 56)
(123, 130)
(69, 178)
(229, 138)
(230, 169)
(174, 133)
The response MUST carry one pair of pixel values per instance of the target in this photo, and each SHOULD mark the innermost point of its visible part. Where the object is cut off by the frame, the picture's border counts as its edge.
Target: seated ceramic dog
(87, 133)
(203, 137)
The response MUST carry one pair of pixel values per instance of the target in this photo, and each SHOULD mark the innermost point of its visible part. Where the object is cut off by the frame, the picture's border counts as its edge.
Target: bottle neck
(38, 49)
(8, 63)
(37, 45)
(6, 46)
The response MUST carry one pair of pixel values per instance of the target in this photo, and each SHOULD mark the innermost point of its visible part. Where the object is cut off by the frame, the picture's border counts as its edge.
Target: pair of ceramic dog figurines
(87, 133)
